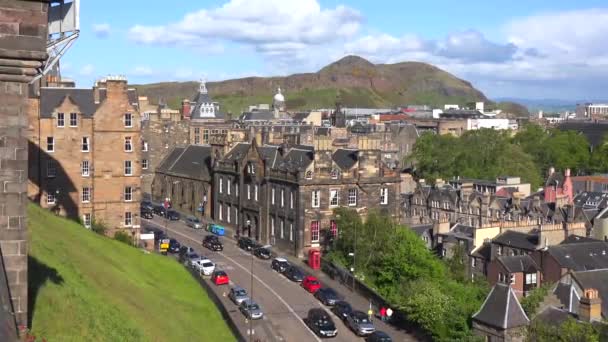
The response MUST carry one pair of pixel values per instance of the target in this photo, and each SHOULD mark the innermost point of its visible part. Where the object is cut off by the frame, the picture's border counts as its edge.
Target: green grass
(91, 288)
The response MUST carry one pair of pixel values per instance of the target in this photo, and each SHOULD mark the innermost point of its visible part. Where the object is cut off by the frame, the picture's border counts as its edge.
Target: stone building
(206, 118)
(85, 154)
(285, 195)
(23, 37)
(501, 318)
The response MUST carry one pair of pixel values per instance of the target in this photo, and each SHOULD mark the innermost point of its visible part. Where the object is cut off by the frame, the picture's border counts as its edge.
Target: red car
(311, 284)
(220, 278)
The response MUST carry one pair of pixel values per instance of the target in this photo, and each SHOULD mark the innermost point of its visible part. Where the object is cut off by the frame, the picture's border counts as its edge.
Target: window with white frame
(144, 164)
(205, 136)
(144, 146)
(50, 197)
(316, 198)
(229, 190)
(85, 168)
(128, 168)
(86, 220)
(352, 197)
(314, 231)
(248, 191)
(197, 136)
(335, 173)
(512, 278)
(128, 144)
(50, 144)
(290, 231)
(85, 144)
(220, 212)
(128, 219)
(51, 169)
(255, 192)
(530, 278)
(384, 196)
(236, 215)
(291, 199)
(228, 212)
(60, 120)
(272, 196)
(236, 189)
(501, 277)
(221, 185)
(282, 229)
(334, 197)
(282, 198)
(128, 118)
(333, 228)
(73, 120)
(86, 194)
(499, 250)
(128, 194)
(272, 226)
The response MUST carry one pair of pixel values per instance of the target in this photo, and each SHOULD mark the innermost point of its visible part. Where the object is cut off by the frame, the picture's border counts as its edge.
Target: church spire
(202, 88)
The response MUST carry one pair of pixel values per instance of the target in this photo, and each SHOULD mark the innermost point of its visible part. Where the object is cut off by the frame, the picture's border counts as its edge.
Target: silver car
(193, 222)
(360, 323)
(238, 294)
(251, 309)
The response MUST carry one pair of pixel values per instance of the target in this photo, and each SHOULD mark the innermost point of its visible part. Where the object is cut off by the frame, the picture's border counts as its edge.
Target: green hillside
(85, 287)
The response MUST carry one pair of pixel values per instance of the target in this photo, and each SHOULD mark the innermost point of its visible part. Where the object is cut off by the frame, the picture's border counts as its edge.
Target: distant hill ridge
(356, 81)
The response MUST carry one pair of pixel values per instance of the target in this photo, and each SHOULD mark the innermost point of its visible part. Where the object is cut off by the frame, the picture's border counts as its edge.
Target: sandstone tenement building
(85, 154)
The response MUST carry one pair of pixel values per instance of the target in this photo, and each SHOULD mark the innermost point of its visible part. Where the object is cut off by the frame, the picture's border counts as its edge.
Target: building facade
(85, 154)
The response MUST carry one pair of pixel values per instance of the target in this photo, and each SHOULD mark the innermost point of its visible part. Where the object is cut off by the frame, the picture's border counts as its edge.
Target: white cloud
(87, 70)
(101, 30)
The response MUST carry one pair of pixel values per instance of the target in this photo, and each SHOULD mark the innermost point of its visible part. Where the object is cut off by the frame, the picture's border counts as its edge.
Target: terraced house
(285, 195)
(85, 153)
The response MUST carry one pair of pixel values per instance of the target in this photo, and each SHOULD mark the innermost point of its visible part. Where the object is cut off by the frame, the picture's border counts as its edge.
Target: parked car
(342, 309)
(279, 264)
(216, 229)
(174, 246)
(191, 259)
(379, 336)
(146, 213)
(173, 215)
(246, 244)
(327, 296)
(159, 210)
(204, 266)
(220, 278)
(237, 295)
(311, 284)
(213, 243)
(146, 205)
(293, 273)
(262, 252)
(193, 222)
(319, 321)
(251, 309)
(184, 251)
(360, 323)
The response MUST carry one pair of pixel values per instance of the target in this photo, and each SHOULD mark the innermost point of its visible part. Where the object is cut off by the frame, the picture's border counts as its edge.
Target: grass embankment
(85, 287)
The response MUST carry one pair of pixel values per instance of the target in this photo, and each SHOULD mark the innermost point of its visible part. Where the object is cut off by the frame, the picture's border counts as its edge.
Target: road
(284, 303)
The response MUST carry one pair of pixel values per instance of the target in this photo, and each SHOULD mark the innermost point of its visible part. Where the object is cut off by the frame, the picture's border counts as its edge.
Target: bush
(123, 237)
(99, 227)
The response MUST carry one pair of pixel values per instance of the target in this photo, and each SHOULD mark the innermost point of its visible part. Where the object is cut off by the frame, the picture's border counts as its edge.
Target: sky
(540, 49)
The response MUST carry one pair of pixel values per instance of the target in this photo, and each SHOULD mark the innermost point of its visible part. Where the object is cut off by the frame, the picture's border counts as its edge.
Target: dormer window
(251, 168)
(308, 175)
(335, 173)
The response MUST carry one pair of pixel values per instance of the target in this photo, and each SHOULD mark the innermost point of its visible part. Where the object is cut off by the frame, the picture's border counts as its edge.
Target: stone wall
(23, 28)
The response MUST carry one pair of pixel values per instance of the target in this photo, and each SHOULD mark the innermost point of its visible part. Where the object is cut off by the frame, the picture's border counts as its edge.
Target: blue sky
(529, 49)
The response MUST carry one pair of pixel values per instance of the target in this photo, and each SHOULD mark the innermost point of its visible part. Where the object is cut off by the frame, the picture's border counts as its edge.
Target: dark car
(319, 321)
(279, 264)
(294, 274)
(184, 252)
(173, 215)
(327, 296)
(147, 205)
(213, 243)
(159, 210)
(342, 309)
(174, 246)
(146, 213)
(246, 244)
(379, 336)
(262, 253)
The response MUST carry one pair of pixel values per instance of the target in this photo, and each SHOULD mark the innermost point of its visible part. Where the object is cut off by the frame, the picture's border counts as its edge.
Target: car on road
(251, 309)
(342, 309)
(220, 278)
(311, 284)
(319, 321)
(146, 205)
(237, 295)
(379, 336)
(360, 323)
(280, 264)
(146, 213)
(191, 259)
(159, 210)
(174, 246)
(262, 252)
(184, 251)
(173, 215)
(204, 266)
(293, 273)
(213, 243)
(194, 222)
(246, 244)
(327, 296)
(216, 229)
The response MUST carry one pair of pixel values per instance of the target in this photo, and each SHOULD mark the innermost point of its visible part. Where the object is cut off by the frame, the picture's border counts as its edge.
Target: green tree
(532, 300)
(599, 157)
(569, 331)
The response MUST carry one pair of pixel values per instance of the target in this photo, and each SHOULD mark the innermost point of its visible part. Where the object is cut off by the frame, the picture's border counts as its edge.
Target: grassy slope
(96, 289)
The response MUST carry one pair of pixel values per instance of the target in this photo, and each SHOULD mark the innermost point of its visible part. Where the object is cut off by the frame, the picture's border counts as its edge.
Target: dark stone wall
(23, 27)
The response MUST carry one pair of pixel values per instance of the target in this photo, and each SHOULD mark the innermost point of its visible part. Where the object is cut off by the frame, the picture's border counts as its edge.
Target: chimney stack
(186, 109)
(551, 170)
(567, 173)
(590, 307)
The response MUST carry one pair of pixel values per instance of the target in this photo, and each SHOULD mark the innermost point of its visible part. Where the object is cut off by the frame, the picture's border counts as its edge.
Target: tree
(599, 157)
(532, 300)
(569, 331)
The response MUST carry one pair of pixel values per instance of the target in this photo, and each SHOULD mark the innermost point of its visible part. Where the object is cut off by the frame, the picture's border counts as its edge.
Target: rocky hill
(355, 80)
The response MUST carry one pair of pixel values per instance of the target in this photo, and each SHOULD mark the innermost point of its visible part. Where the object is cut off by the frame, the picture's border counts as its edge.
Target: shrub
(123, 237)
(99, 227)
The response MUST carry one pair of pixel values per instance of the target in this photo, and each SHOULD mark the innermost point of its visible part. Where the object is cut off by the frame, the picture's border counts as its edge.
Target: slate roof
(193, 162)
(581, 256)
(261, 115)
(51, 98)
(300, 116)
(591, 200)
(300, 157)
(578, 239)
(553, 316)
(237, 152)
(271, 154)
(484, 252)
(422, 228)
(518, 240)
(325, 131)
(501, 309)
(166, 163)
(345, 158)
(518, 264)
(596, 279)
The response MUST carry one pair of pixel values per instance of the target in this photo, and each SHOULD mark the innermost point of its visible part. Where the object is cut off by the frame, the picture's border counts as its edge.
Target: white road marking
(291, 310)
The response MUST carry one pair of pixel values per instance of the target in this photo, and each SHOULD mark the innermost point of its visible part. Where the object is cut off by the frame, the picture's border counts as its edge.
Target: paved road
(284, 303)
